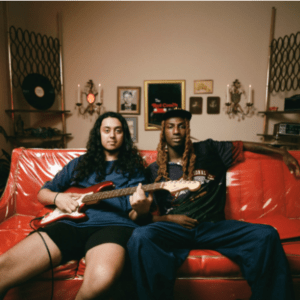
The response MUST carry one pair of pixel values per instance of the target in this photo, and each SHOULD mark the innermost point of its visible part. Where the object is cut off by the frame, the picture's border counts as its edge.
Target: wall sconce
(233, 99)
(90, 93)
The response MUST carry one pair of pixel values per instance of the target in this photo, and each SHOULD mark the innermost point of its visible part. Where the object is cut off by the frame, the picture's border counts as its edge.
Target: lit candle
(99, 93)
(228, 99)
(78, 98)
(250, 95)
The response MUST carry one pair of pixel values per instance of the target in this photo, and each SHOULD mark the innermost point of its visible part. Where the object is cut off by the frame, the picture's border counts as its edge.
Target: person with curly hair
(195, 220)
(102, 238)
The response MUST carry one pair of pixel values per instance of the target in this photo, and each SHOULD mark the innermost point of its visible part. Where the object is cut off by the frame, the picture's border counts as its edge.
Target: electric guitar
(104, 190)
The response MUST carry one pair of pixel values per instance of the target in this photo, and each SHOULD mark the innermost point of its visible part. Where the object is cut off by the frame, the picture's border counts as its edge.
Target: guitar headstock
(176, 186)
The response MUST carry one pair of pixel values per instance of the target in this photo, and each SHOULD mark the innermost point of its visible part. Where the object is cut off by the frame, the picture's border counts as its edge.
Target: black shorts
(74, 242)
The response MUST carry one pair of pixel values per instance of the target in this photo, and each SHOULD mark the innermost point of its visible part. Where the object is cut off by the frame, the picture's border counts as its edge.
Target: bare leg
(26, 260)
(104, 265)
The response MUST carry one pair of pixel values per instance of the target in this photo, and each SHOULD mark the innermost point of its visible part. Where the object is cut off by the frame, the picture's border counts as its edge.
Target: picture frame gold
(161, 96)
(128, 100)
(203, 86)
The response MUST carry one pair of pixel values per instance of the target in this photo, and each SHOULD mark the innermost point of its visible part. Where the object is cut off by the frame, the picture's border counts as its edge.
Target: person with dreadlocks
(102, 238)
(195, 220)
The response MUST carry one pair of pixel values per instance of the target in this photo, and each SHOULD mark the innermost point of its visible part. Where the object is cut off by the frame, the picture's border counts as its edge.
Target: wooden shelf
(277, 142)
(280, 135)
(279, 112)
(38, 137)
(34, 141)
(30, 139)
(36, 111)
(30, 114)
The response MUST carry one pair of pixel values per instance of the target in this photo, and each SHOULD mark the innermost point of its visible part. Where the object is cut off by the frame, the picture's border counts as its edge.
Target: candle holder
(233, 107)
(90, 95)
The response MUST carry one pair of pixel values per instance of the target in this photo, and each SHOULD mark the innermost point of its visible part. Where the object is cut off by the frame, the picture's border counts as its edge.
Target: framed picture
(128, 100)
(132, 124)
(161, 96)
(213, 105)
(196, 105)
(203, 86)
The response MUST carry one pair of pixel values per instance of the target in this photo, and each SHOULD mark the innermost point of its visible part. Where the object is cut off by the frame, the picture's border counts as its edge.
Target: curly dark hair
(129, 161)
(189, 157)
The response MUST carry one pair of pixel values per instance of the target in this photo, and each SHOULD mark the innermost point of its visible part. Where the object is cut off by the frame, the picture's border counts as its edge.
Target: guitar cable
(50, 259)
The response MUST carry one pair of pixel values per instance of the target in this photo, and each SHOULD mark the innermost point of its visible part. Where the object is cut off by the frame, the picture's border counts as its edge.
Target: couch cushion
(199, 263)
(292, 251)
(66, 271)
(81, 267)
(287, 228)
(260, 186)
(17, 222)
(10, 237)
(208, 263)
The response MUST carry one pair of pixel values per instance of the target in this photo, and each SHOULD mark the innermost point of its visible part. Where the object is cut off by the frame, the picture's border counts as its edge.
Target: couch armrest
(7, 200)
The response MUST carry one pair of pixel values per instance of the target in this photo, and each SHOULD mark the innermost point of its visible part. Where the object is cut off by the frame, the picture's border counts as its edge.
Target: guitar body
(101, 191)
(48, 215)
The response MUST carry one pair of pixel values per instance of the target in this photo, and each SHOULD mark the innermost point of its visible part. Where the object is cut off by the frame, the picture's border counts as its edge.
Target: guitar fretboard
(93, 198)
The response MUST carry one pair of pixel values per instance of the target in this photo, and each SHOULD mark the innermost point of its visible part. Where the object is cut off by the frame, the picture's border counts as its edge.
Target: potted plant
(5, 160)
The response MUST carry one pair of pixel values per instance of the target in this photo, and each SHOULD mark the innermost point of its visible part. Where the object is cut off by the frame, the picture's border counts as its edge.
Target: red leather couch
(260, 189)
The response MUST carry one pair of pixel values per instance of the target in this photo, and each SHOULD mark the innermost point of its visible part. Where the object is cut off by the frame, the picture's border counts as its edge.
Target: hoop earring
(166, 149)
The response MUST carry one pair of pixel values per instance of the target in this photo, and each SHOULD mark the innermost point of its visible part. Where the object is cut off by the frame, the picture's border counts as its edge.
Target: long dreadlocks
(188, 157)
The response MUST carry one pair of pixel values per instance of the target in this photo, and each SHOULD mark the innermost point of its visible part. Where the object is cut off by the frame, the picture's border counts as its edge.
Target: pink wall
(125, 43)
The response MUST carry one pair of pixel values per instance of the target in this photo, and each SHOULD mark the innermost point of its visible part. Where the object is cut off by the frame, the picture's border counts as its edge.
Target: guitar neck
(94, 198)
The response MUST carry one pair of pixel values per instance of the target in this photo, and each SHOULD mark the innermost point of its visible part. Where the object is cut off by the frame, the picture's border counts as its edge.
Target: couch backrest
(262, 186)
(259, 186)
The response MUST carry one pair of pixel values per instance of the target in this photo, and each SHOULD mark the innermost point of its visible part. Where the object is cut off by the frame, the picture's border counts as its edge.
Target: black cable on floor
(50, 259)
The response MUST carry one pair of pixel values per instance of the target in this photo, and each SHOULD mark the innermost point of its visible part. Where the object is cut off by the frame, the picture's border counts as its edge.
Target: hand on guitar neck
(140, 203)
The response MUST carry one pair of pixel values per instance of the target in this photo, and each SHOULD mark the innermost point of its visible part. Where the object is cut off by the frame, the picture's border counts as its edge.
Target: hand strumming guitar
(67, 202)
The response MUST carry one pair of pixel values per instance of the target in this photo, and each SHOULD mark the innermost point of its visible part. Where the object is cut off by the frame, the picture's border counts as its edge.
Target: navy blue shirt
(109, 212)
(213, 158)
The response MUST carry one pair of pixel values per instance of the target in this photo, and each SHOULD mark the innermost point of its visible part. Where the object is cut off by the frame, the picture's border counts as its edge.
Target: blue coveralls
(158, 249)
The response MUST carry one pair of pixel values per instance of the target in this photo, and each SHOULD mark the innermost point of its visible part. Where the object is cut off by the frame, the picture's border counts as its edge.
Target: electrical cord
(50, 259)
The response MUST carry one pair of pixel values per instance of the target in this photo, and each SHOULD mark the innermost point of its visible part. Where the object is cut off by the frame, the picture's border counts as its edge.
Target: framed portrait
(203, 86)
(161, 96)
(128, 100)
(132, 124)
(196, 105)
(213, 105)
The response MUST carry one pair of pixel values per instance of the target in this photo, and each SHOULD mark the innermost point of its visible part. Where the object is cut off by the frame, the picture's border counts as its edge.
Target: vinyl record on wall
(38, 91)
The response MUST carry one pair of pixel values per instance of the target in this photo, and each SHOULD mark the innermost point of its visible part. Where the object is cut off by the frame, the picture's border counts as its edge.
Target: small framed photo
(161, 96)
(203, 86)
(128, 100)
(132, 124)
(213, 105)
(196, 105)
